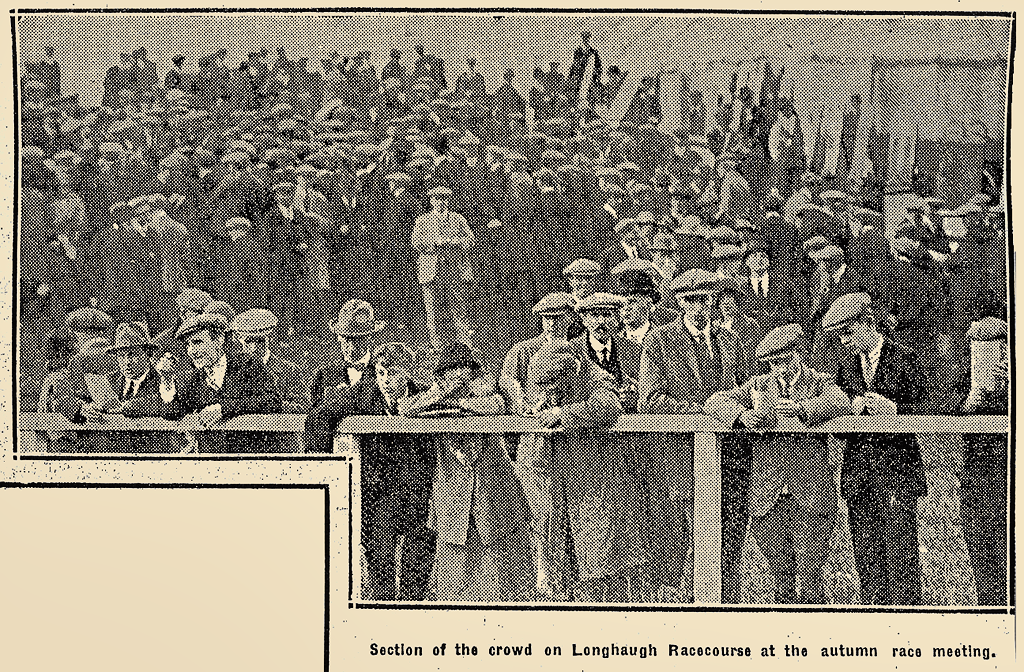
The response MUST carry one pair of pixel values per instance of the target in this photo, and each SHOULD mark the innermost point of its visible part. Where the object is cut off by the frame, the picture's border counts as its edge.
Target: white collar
(288, 213)
(598, 346)
(220, 369)
(266, 357)
(875, 353)
(704, 333)
(839, 273)
(137, 382)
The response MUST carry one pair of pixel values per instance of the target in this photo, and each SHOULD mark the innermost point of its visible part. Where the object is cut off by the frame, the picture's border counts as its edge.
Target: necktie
(130, 390)
(604, 357)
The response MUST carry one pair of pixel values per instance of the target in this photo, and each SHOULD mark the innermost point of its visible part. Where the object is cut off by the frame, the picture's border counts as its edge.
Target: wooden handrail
(638, 424)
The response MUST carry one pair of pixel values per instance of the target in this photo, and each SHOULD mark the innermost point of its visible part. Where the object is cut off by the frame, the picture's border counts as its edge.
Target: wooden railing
(707, 433)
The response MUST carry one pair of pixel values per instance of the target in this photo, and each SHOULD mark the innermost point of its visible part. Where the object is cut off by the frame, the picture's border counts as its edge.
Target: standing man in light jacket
(793, 501)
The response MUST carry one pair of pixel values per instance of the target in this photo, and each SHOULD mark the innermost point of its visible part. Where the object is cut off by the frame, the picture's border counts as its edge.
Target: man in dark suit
(289, 236)
(792, 492)
(883, 474)
(602, 345)
(768, 291)
(643, 310)
(395, 471)
(355, 330)
(222, 385)
(682, 365)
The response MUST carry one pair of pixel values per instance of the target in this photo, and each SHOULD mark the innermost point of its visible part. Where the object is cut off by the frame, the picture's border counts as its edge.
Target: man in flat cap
(682, 365)
(289, 237)
(554, 310)
(632, 244)
(189, 302)
(394, 69)
(443, 240)
(594, 548)
(428, 65)
(255, 330)
(221, 386)
(131, 266)
(792, 492)
(395, 473)
(582, 278)
(728, 260)
(601, 343)
(831, 279)
(238, 266)
(883, 474)
(470, 84)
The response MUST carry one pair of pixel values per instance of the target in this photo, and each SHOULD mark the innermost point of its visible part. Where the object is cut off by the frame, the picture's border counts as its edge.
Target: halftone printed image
(609, 309)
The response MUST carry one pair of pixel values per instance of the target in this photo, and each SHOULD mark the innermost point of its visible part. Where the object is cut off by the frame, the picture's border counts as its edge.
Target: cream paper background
(231, 579)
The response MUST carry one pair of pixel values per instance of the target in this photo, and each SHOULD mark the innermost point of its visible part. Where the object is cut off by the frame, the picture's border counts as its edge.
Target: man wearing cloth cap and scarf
(883, 474)
(792, 495)
(395, 474)
(220, 387)
(443, 239)
(683, 364)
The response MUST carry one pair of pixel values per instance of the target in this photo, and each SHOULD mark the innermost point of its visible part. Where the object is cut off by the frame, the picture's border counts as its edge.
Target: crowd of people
(180, 235)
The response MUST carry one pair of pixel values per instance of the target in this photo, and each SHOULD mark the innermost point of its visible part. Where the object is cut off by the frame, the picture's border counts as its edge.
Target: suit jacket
(623, 359)
(327, 383)
(670, 382)
(797, 461)
(517, 360)
(390, 464)
(288, 384)
(248, 389)
(885, 465)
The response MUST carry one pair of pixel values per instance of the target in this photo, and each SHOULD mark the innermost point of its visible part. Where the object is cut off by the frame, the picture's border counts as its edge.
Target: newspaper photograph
(637, 333)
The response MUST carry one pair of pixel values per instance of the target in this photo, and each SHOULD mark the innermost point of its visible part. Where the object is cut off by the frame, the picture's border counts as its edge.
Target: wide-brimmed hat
(130, 335)
(456, 356)
(355, 320)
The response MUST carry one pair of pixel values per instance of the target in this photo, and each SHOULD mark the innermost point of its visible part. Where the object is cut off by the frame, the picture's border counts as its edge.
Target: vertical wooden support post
(707, 510)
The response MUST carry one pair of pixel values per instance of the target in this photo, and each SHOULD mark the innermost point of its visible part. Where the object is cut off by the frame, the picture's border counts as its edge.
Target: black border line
(673, 608)
(325, 487)
(187, 457)
(16, 207)
(505, 10)
(1011, 273)
(1010, 609)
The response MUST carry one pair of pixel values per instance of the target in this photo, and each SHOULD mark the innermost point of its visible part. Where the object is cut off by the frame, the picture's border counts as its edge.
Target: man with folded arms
(883, 474)
(792, 496)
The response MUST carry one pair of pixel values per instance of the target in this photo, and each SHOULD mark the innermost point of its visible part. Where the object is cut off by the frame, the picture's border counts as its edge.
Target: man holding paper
(883, 474)
(792, 497)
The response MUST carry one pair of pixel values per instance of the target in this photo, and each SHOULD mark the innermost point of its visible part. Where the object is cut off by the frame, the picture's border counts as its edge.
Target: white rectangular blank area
(161, 579)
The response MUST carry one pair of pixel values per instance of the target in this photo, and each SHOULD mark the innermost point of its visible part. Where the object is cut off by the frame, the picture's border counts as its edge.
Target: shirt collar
(597, 346)
(289, 213)
(266, 357)
(839, 273)
(695, 332)
(137, 383)
(220, 369)
(876, 352)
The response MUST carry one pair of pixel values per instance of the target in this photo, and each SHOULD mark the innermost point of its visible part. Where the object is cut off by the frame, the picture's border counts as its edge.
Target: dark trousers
(384, 521)
(983, 510)
(736, 459)
(885, 547)
(795, 539)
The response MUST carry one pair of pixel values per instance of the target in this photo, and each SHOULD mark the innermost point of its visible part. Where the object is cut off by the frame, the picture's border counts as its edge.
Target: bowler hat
(355, 320)
(635, 282)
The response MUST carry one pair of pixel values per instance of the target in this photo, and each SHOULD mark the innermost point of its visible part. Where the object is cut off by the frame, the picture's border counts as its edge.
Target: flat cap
(398, 177)
(192, 299)
(221, 308)
(551, 363)
(987, 329)
(600, 301)
(725, 235)
(846, 309)
(555, 303)
(200, 322)
(722, 252)
(584, 267)
(440, 191)
(816, 243)
(695, 282)
(833, 195)
(254, 321)
(635, 264)
(614, 189)
(85, 319)
(779, 342)
(646, 217)
(828, 253)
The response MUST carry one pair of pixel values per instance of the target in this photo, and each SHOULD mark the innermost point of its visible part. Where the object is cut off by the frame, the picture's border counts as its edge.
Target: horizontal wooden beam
(631, 424)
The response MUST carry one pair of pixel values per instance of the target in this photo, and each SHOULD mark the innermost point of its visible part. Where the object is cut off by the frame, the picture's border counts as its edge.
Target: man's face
(439, 203)
(132, 362)
(637, 310)
(858, 336)
(695, 307)
(785, 367)
(253, 344)
(354, 349)
(601, 323)
(555, 325)
(394, 379)
(581, 286)
(203, 350)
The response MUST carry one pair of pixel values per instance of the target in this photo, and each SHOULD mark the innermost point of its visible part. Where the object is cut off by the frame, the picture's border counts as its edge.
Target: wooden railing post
(707, 514)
